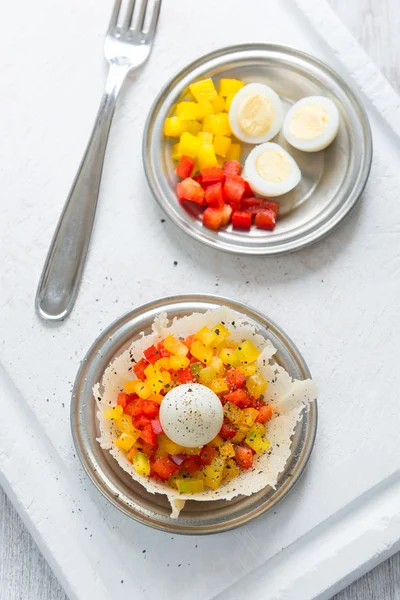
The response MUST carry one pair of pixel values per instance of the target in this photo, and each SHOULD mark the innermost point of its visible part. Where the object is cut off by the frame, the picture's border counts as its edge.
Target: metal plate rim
(283, 247)
(162, 304)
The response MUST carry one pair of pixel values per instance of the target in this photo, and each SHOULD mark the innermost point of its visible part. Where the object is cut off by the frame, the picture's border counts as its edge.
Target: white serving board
(338, 300)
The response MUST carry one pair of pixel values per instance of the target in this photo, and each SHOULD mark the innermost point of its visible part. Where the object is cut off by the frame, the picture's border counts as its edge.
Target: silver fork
(127, 47)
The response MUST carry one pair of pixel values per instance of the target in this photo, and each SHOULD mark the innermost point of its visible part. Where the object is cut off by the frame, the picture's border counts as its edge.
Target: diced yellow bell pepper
(191, 451)
(204, 90)
(229, 357)
(221, 331)
(206, 156)
(153, 379)
(144, 390)
(260, 428)
(130, 386)
(206, 137)
(218, 104)
(227, 450)
(125, 441)
(231, 470)
(247, 352)
(221, 145)
(173, 127)
(204, 109)
(175, 346)
(172, 480)
(157, 398)
(249, 416)
(209, 124)
(162, 363)
(221, 124)
(189, 145)
(233, 413)
(190, 485)
(165, 377)
(217, 365)
(207, 375)
(141, 463)
(218, 385)
(256, 442)
(212, 474)
(125, 425)
(228, 101)
(193, 127)
(240, 434)
(234, 152)
(229, 86)
(175, 152)
(167, 445)
(201, 352)
(178, 362)
(187, 111)
(114, 412)
(217, 441)
(247, 370)
(256, 385)
(206, 336)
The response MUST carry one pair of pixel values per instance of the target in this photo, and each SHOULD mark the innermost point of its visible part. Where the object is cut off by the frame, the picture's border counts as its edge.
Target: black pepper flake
(175, 263)
(162, 220)
(143, 551)
(122, 581)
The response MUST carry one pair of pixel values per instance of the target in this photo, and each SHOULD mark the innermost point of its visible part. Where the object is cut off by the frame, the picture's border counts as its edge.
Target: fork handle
(62, 271)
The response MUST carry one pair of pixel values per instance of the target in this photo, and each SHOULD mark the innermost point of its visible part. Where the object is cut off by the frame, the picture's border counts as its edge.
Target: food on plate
(199, 410)
(271, 171)
(256, 113)
(208, 156)
(311, 124)
(226, 197)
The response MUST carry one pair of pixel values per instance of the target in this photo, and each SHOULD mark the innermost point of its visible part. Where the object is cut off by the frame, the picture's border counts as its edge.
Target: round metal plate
(128, 495)
(332, 180)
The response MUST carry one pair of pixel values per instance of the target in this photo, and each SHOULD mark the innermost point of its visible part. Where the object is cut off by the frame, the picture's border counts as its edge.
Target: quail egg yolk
(255, 116)
(308, 122)
(273, 165)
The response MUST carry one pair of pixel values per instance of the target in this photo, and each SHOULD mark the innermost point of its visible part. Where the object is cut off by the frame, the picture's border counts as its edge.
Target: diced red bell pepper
(139, 368)
(189, 341)
(235, 379)
(244, 457)
(251, 202)
(122, 399)
(185, 167)
(141, 422)
(155, 475)
(227, 431)
(165, 467)
(232, 167)
(190, 190)
(248, 192)
(226, 212)
(212, 175)
(162, 351)
(150, 409)
(151, 354)
(208, 454)
(148, 435)
(239, 397)
(265, 220)
(191, 464)
(214, 195)
(212, 218)
(134, 407)
(265, 414)
(241, 220)
(199, 180)
(147, 449)
(233, 189)
(256, 205)
(185, 375)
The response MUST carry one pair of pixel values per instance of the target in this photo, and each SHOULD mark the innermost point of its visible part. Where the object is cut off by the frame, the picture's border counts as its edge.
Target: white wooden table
(24, 575)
